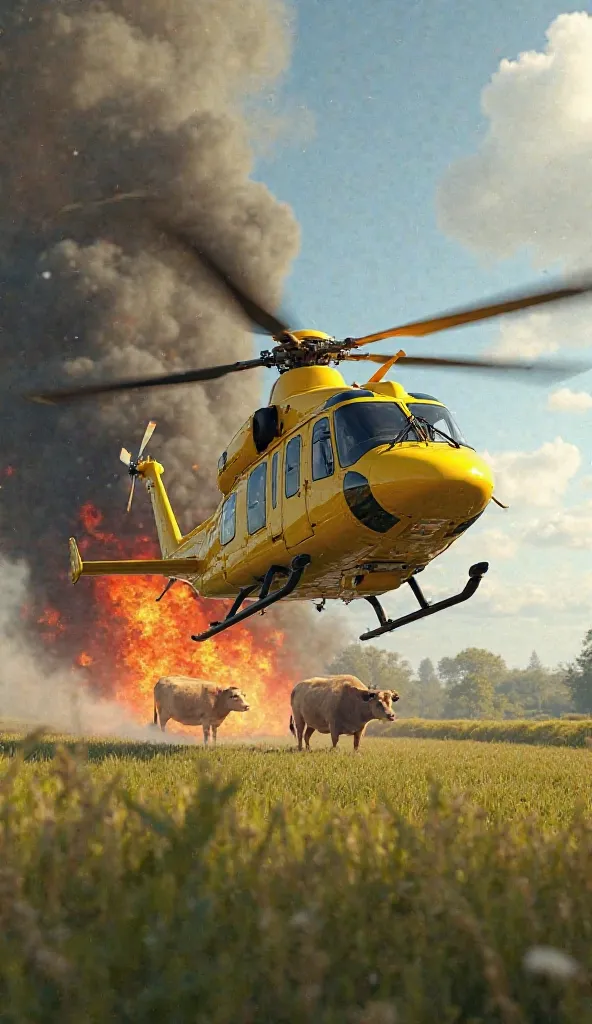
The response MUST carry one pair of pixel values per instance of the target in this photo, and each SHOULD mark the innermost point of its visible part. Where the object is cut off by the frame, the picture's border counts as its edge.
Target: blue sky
(395, 93)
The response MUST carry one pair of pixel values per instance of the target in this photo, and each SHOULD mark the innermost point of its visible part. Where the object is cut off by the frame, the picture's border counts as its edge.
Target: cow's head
(234, 699)
(380, 702)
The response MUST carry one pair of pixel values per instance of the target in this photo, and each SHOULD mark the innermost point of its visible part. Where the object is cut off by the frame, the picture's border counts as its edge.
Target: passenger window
(323, 462)
(256, 498)
(274, 478)
(228, 520)
(293, 466)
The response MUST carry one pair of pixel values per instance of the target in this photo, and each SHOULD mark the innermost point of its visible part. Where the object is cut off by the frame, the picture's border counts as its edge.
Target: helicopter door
(295, 519)
(274, 522)
(322, 489)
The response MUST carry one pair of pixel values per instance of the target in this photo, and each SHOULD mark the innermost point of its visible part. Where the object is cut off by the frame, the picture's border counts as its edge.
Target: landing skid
(476, 572)
(264, 599)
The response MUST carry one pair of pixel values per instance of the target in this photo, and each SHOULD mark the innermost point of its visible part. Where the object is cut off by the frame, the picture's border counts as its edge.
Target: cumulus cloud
(566, 400)
(569, 528)
(497, 544)
(527, 188)
(533, 600)
(536, 478)
(489, 544)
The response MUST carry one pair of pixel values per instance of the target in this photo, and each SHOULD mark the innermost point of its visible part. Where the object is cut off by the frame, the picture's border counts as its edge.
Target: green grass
(555, 732)
(257, 885)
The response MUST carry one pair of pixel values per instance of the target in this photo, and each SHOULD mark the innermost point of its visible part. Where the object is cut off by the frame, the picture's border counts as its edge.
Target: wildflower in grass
(553, 963)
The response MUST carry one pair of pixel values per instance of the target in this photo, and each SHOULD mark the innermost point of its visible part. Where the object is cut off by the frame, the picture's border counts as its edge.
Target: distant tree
(429, 691)
(376, 667)
(579, 678)
(534, 690)
(470, 680)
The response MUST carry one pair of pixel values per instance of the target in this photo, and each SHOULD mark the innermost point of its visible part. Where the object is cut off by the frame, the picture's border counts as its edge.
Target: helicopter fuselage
(336, 484)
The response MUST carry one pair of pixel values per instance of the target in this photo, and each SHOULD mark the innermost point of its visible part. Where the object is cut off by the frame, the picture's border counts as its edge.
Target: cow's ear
(395, 695)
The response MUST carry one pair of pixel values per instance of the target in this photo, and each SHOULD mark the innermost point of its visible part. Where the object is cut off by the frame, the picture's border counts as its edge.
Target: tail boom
(180, 568)
(169, 534)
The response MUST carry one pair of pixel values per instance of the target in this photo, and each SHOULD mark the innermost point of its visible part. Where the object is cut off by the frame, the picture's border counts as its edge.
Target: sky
(437, 153)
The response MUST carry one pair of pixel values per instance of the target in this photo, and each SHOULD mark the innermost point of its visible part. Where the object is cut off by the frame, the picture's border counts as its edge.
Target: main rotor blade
(184, 377)
(268, 322)
(147, 435)
(471, 314)
(558, 370)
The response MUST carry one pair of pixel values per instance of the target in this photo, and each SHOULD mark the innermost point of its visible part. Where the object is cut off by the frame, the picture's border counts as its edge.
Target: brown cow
(340, 705)
(195, 702)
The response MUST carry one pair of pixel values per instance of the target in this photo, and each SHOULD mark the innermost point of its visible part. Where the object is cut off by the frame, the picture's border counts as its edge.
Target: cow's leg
(357, 738)
(206, 734)
(307, 735)
(334, 736)
(214, 734)
(163, 721)
(299, 723)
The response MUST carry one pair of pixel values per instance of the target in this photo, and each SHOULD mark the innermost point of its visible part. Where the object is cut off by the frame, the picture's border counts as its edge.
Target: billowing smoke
(33, 693)
(102, 99)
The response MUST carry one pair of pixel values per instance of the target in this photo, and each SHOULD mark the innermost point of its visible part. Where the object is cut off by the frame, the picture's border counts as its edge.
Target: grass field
(555, 732)
(255, 884)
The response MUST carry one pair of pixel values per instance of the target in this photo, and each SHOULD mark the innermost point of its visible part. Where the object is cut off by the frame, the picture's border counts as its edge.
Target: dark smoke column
(101, 98)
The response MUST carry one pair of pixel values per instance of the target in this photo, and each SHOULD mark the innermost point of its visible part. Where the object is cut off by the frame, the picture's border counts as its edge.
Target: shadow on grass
(96, 750)
(92, 750)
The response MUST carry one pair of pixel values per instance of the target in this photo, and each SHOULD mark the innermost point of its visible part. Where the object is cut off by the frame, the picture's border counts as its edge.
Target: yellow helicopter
(330, 491)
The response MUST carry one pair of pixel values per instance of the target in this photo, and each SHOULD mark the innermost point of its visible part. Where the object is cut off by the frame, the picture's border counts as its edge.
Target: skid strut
(476, 572)
(264, 598)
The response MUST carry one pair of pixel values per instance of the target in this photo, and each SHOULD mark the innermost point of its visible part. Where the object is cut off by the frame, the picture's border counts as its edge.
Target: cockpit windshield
(360, 426)
(436, 418)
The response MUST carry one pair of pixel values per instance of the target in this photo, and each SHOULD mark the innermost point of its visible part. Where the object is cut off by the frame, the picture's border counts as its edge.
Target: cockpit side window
(437, 418)
(361, 426)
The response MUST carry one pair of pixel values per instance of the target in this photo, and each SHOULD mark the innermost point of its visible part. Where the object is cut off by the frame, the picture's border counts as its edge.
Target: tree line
(474, 684)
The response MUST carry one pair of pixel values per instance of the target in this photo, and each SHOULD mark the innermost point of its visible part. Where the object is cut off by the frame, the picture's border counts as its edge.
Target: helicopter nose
(431, 482)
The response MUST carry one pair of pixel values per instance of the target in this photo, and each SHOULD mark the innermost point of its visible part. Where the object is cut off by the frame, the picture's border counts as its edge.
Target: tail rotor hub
(132, 464)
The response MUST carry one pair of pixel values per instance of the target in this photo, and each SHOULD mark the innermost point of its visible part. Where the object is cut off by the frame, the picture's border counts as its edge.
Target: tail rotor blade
(131, 494)
(147, 435)
(125, 457)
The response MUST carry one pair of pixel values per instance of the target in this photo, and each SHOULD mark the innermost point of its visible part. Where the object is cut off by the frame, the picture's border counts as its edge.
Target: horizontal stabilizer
(179, 568)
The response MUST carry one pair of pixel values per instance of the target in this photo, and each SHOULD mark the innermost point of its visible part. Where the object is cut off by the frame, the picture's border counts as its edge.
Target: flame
(51, 623)
(132, 641)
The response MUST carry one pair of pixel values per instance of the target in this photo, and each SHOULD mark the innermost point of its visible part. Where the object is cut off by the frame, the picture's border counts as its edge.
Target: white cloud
(566, 400)
(533, 600)
(535, 478)
(527, 188)
(569, 528)
(497, 544)
(492, 544)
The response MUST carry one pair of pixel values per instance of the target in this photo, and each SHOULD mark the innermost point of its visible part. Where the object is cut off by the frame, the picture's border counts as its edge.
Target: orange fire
(51, 624)
(134, 641)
